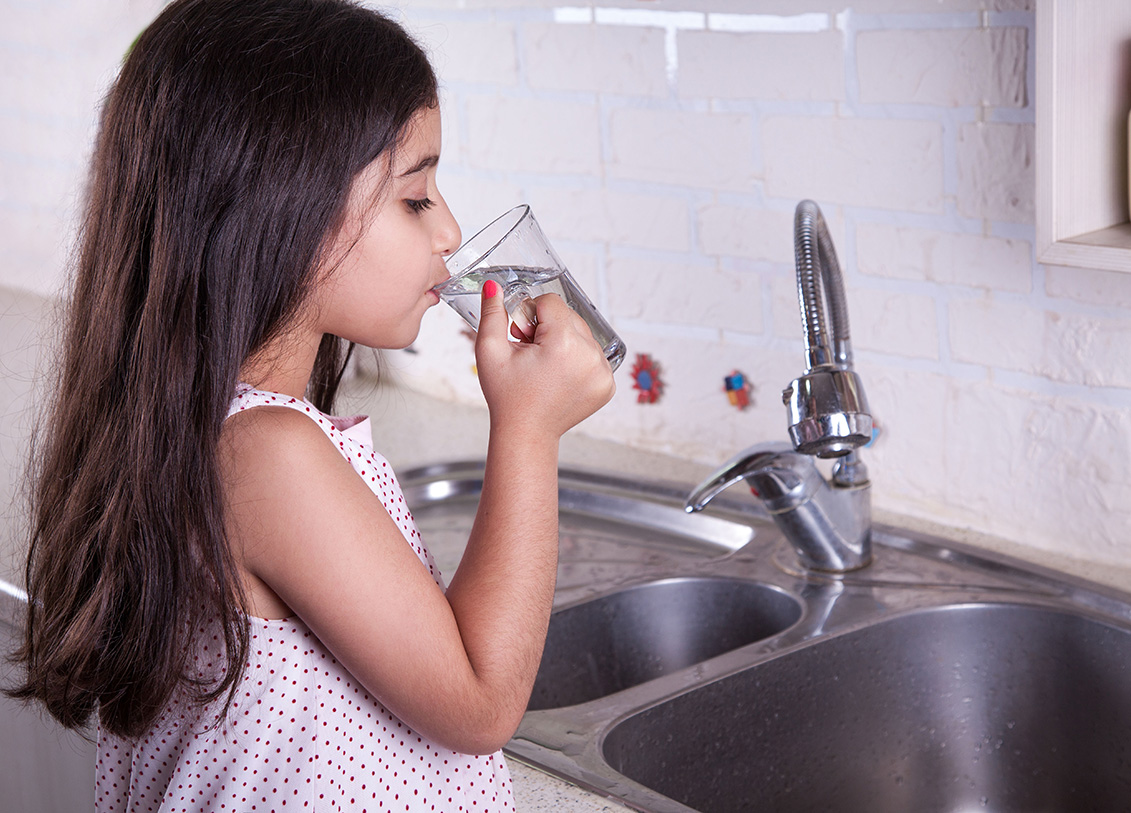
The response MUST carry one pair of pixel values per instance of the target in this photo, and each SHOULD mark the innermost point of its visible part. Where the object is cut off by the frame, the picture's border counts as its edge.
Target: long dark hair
(222, 167)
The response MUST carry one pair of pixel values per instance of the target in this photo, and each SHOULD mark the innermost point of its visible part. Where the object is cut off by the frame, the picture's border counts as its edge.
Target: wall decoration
(646, 379)
(737, 389)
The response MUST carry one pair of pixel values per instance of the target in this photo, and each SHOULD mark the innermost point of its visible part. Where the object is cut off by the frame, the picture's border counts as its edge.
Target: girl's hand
(549, 384)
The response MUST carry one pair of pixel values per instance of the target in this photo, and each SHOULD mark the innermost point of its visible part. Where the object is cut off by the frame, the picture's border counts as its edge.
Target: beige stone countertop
(537, 792)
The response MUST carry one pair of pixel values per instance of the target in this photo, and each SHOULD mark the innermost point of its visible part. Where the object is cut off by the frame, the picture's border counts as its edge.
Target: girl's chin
(386, 342)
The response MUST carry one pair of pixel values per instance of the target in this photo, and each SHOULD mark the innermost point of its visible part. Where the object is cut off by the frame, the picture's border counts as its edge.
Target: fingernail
(490, 288)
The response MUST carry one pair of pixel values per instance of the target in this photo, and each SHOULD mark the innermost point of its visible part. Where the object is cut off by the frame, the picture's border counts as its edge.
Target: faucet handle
(830, 528)
(779, 476)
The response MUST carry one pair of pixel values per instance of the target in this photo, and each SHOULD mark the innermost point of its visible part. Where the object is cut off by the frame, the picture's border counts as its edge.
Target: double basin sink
(691, 665)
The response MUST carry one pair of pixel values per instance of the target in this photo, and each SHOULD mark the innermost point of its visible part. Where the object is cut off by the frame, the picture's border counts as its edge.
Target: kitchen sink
(970, 707)
(638, 634)
(692, 665)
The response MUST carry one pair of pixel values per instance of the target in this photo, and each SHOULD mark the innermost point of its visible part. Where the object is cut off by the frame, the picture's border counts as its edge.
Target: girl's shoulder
(273, 435)
(285, 482)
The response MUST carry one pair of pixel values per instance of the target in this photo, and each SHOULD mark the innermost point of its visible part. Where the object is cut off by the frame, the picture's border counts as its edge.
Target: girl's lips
(434, 289)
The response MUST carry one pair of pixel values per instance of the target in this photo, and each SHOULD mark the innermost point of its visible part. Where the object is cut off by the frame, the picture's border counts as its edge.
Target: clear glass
(514, 252)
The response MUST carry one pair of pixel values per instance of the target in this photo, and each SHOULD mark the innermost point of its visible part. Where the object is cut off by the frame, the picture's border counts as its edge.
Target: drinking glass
(514, 252)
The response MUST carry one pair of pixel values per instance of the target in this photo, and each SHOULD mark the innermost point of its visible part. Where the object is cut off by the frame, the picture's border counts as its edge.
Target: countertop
(412, 430)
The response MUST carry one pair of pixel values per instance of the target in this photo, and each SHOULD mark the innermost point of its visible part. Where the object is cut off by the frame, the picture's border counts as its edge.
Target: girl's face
(393, 246)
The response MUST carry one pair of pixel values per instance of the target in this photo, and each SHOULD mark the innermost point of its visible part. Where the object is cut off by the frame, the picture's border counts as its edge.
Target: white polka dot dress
(302, 733)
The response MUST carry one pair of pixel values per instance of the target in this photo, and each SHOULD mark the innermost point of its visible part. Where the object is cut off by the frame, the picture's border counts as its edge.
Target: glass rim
(520, 213)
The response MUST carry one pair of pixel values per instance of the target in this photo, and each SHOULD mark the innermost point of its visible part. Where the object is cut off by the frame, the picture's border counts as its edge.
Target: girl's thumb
(492, 314)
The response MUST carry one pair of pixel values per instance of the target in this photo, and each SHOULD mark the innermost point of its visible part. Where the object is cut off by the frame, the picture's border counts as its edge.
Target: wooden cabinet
(1083, 98)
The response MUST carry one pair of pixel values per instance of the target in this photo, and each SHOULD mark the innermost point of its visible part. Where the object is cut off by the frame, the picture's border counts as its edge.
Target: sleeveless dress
(302, 733)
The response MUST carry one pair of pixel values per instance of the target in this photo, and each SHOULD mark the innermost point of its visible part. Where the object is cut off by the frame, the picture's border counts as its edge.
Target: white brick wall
(722, 65)
(995, 172)
(1088, 286)
(56, 57)
(948, 68)
(598, 59)
(664, 145)
(614, 216)
(511, 133)
(686, 293)
(474, 51)
(994, 333)
(875, 163)
(746, 231)
(700, 149)
(970, 260)
(895, 322)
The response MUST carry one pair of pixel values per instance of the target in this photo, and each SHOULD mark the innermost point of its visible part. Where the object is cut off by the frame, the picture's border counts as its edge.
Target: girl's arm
(457, 668)
(513, 550)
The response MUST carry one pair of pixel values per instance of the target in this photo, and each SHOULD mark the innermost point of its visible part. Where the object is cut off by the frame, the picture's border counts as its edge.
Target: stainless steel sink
(691, 665)
(1003, 707)
(631, 636)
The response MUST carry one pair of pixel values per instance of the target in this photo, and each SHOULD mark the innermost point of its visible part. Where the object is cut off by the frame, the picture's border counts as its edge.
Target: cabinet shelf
(1083, 97)
(1108, 249)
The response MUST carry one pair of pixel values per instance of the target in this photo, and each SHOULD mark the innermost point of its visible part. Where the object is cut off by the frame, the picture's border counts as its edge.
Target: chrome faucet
(828, 523)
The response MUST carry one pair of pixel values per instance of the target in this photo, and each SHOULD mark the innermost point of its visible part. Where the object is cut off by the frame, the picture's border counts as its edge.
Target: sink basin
(621, 640)
(999, 707)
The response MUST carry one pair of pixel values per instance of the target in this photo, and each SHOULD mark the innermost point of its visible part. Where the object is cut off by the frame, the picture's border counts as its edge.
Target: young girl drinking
(220, 571)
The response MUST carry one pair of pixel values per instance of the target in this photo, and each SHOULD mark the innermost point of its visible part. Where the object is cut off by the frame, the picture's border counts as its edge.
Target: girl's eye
(421, 205)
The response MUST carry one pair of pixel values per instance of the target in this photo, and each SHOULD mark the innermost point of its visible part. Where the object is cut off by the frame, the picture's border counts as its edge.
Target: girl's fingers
(525, 320)
(553, 309)
(516, 331)
(493, 320)
(492, 313)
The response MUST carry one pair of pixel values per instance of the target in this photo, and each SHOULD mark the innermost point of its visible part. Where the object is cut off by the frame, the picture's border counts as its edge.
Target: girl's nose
(447, 235)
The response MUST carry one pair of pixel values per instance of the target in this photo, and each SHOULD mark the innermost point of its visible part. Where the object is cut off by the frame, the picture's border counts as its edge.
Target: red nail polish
(490, 288)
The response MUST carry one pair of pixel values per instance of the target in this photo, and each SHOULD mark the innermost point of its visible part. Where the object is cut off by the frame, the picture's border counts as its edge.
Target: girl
(219, 570)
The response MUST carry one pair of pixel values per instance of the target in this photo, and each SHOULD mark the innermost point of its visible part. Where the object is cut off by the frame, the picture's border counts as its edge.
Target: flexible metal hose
(818, 280)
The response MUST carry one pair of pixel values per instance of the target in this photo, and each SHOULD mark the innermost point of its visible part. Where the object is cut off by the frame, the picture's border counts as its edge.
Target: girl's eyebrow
(425, 163)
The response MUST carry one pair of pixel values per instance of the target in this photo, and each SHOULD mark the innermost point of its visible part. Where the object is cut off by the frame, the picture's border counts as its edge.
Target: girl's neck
(284, 365)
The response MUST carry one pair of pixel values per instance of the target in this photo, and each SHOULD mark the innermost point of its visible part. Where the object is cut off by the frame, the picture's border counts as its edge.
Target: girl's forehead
(420, 147)
(418, 151)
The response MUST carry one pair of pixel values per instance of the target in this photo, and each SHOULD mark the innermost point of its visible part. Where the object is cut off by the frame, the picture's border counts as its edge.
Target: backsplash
(663, 147)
